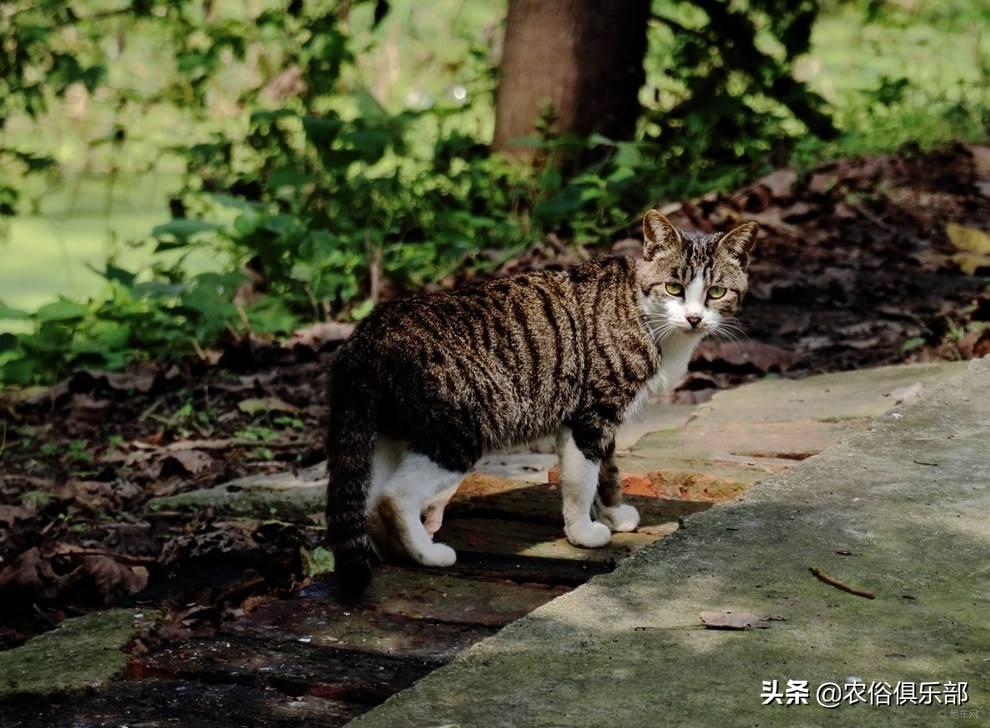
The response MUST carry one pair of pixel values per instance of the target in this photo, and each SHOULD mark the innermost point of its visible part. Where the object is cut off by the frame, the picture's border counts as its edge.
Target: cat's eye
(716, 291)
(675, 289)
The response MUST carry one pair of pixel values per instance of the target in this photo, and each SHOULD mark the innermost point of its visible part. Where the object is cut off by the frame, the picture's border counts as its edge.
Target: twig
(154, 405)
(37, 610)
(822, 576)
(923, 462)
(872, 218)
(122, 558)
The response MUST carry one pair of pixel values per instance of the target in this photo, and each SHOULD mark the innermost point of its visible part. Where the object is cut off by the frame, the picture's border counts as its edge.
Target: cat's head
(692, 282)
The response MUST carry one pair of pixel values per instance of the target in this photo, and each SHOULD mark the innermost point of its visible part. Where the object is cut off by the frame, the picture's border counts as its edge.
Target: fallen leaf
(905, 394)
(981, 157)
(973, 245)
(11, 514)
(95, 495)
(112, 578)
(975, 344)
(317, 335)
(728, 619)
(316, 562)
(822, 182)
(747, 355)
(226, 538)
(780, 183)
(628, 246)
(27, 577)
(185, 462)
(265, 404)
(86, 380)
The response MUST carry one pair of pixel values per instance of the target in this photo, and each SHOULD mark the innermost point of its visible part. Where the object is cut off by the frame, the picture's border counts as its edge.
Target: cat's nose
(694, 320)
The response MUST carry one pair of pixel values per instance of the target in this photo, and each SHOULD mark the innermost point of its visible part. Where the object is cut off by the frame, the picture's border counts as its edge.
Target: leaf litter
(858, 264)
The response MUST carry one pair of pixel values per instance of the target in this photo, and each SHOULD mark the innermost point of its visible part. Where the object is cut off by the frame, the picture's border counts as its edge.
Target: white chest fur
(675, 353)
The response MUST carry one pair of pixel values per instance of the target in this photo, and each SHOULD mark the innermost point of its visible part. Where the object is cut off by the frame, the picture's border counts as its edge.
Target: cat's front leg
(578, 483)
(608, 507)
(433, 511)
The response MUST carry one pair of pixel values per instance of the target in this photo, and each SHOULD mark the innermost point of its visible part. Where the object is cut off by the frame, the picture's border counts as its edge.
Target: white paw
(588, 534)
(437, 554)
(619, 518)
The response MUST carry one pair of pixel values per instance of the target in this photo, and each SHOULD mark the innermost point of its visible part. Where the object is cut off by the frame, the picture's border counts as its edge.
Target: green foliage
(307, 191)
(725, 98)
(131, 319)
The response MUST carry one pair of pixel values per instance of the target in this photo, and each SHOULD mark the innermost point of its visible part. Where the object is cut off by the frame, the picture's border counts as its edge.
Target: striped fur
(454, 375)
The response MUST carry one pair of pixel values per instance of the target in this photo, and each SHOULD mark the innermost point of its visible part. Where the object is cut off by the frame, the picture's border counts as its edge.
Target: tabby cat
(426, 385)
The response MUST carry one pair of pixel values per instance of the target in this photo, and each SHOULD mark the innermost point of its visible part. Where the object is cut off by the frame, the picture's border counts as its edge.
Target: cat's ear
(739, 241)
(658, 234)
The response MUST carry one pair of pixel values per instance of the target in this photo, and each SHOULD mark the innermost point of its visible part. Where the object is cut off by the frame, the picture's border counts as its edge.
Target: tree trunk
(582, 57)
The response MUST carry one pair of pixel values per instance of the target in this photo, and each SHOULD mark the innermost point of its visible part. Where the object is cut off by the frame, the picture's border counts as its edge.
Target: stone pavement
(309, 660)
(898, 508)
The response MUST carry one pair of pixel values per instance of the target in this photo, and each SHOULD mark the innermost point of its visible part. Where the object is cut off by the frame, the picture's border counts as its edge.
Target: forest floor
(863, 262)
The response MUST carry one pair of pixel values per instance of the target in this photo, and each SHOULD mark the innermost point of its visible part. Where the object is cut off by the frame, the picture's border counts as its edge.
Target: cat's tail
(350, 442)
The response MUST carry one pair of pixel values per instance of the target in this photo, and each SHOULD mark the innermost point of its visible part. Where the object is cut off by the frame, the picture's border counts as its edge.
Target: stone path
(898, 508)
(308, 660)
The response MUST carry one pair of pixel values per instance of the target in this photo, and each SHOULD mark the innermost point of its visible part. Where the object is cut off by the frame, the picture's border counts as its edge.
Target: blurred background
(176, 174)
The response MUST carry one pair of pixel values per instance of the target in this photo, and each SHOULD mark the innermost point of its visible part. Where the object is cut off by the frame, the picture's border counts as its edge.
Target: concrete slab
(81, 653)
(743, 435)
(899, 509)
(865, 393)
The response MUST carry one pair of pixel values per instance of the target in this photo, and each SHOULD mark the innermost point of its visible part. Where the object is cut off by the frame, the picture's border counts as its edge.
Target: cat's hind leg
(416, 483)
(608, 507)
(578, 483)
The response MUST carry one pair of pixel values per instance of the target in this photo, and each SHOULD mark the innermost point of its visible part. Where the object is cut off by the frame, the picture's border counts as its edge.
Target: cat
(426, 385)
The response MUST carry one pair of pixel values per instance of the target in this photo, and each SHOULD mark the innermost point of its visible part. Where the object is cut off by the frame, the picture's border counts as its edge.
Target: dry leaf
(185, 462)
(11, 514)
(906, 394)
(973, 245)
(780, 183)
(113, 578)
(28, 576)
(265, 404)
(317, 335)
(747, 355)
(728, 619)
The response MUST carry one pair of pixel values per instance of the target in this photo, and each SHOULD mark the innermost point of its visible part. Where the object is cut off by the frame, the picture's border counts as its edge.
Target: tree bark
(582, 57)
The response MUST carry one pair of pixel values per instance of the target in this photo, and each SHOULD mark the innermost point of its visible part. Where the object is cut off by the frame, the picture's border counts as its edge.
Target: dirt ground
(863, 262)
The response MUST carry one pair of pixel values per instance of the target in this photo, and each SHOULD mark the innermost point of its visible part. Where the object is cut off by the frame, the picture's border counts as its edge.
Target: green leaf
(61, 310)
(13, 314)
(289, 177)
(362, 309)
(912, 344)
(237, 203)
(19, 371)
(114, 273)
(183, 229)
(8, 342)
(318, 561)
(321, 131)
(267, 117)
